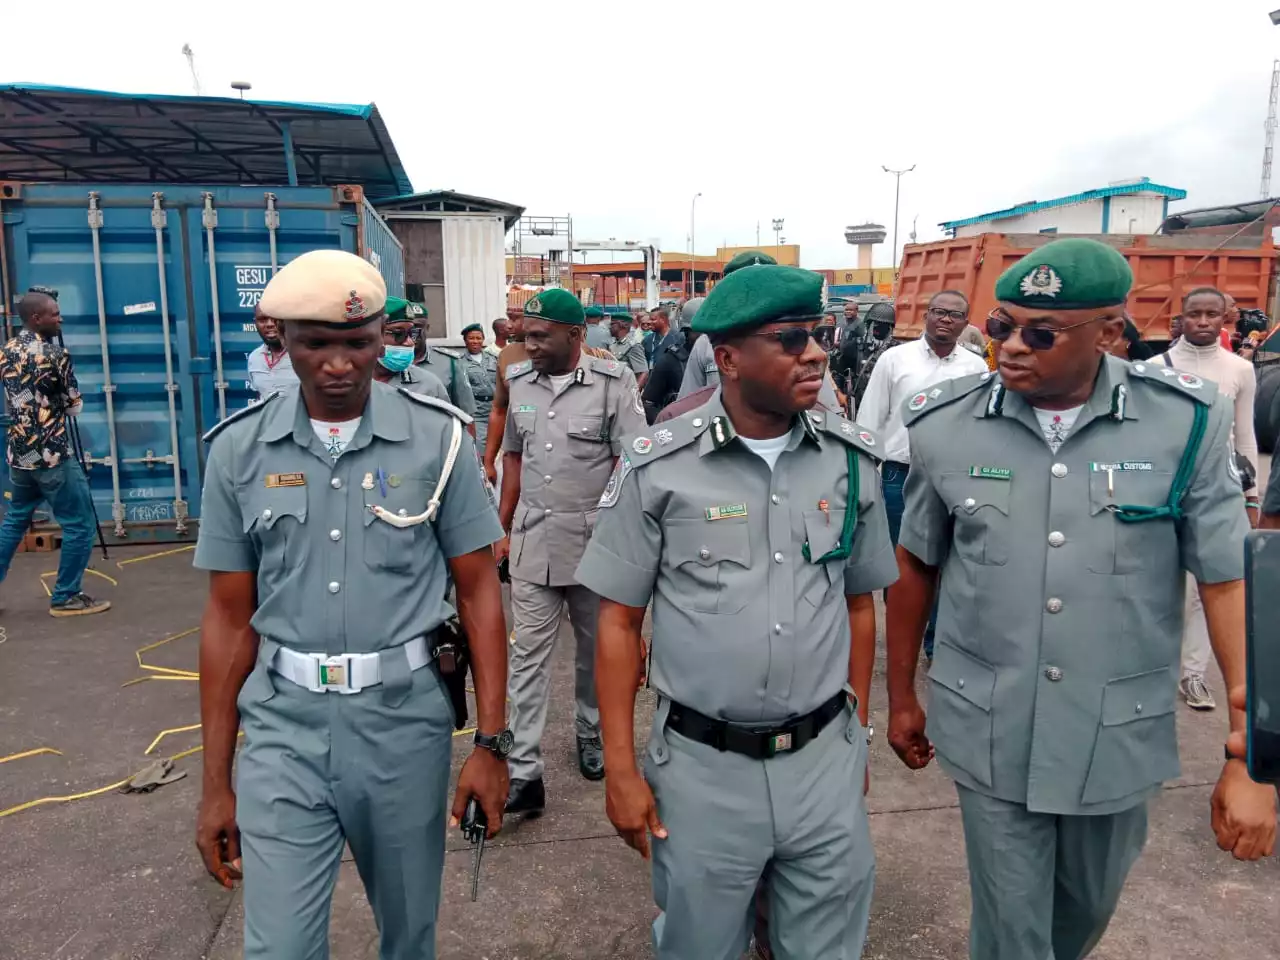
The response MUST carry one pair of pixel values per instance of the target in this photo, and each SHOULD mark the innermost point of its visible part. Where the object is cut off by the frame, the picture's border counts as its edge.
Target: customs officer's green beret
(1070, 274)
(765, 294)
(556, 305)
(748, 258)
(594, 312)
(398, 308)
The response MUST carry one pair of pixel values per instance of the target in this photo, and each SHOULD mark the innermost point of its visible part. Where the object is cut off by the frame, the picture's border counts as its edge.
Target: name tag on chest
(727, 511)
(286, 480)
(1122, 466)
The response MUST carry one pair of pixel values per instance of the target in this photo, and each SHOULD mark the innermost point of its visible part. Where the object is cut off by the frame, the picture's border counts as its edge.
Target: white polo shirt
(899, 374)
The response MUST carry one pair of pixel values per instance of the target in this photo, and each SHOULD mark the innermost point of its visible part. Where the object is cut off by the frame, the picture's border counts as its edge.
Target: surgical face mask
(396, 359)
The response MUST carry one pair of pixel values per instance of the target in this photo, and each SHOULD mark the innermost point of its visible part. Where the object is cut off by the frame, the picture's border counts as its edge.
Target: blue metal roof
(1123, 190)
(70, 134)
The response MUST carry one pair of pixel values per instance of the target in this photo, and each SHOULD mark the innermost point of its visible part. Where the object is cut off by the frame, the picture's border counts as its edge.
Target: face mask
(396, 359)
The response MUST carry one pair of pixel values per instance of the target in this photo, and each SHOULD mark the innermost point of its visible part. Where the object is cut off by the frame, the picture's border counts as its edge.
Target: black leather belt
(757, 743)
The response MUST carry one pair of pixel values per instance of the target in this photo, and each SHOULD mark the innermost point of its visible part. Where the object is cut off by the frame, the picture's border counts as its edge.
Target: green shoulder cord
(1181, 480)
(842, 549)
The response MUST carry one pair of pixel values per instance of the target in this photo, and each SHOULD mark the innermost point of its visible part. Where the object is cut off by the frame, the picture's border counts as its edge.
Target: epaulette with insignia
(1188, 384)
(610, 367)
(941, 394)
(449, 352)
(662, 439)
(519, 369)
(848, 431)
(440, 405)
(239, 415)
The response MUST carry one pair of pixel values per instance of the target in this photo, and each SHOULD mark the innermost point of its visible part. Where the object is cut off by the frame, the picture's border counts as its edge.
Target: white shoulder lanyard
(433, 505)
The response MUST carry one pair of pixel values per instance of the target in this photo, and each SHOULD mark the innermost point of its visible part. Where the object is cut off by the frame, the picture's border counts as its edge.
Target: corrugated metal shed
(1120, 190)
(450, 201)
(73, 135)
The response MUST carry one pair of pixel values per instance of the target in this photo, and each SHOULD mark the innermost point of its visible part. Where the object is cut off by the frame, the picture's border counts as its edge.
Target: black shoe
(78, 606)
(591, 758)
(527, 796)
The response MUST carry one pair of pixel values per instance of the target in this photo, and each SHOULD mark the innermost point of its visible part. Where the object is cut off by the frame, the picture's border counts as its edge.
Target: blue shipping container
(132, 260)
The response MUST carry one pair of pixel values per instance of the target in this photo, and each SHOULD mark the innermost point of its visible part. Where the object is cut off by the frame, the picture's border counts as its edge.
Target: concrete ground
(117, 876)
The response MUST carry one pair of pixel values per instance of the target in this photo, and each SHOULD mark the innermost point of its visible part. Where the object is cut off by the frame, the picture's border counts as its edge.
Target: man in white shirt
(903, 372)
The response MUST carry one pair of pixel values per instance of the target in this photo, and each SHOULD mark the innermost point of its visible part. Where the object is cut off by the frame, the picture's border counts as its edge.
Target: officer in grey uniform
(626, 348)
(333, 515)
(701, 369)
(596, 333)
(481, 368)
(444, 363)
(1060, 501)
(567, 415)
(758, 530)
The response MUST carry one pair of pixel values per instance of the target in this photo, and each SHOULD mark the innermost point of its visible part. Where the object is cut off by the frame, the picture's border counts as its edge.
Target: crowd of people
(1039, 528)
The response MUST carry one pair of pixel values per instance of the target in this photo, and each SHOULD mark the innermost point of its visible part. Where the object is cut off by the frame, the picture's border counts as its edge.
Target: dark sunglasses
(401, 335)
(794, 340)
(1036, 338)
(938, 313)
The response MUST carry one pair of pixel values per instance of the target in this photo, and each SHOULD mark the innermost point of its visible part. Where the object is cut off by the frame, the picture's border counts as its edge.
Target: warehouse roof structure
(68, 134)
(1134, 188)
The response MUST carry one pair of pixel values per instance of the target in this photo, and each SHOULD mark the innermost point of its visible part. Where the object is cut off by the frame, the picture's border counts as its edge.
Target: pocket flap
(585, 427)
(967, 495)
(1126, 487)
(1138, 697)
(708, 542)
(263, 510)
(963, 674)
(822, 532)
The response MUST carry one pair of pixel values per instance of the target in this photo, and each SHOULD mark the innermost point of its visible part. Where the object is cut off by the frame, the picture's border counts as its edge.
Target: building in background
(1130, 207)
(788, 254)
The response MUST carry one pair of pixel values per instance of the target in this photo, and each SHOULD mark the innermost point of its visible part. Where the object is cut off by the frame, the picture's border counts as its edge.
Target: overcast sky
(618, 113)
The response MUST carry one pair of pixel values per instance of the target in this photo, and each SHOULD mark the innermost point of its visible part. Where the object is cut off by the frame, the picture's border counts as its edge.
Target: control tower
(864, 236)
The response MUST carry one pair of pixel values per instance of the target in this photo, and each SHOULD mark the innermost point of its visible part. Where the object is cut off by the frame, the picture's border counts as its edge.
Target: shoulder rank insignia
(852, 434)
(257, 407)
(940, 395)
(613, 489)
(1187, 384)
(519, 369)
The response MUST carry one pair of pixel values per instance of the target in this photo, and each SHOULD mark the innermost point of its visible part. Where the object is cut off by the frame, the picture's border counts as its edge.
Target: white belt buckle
(333, 674)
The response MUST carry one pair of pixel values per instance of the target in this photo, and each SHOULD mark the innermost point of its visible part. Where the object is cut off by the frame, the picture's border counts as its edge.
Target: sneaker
(1196, 692)
(78, 606)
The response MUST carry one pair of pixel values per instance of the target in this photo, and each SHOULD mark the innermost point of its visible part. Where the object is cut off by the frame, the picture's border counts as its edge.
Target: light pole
(897, 192)
(777, 235)
(693, 242)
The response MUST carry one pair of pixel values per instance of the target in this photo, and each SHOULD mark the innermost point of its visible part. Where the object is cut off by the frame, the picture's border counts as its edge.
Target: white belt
(343, 672)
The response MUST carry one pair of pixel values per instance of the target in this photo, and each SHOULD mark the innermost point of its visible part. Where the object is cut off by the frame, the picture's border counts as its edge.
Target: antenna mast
(195, 77)
(1269, 143)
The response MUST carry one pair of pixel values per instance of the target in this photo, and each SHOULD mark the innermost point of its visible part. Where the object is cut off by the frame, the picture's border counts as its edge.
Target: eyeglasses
(794, 340)
(937, 313)
(402, 334)
(1001, 328)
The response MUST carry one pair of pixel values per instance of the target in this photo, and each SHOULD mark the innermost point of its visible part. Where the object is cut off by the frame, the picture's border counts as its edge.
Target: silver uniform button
(960, 683)
(546, 513)
(777, 628)
(703, 554)
(266, 514)
(777, 557)
(334, 586)
(1053, 674)
(815, 417)
(1057, 538)
(547, 478)
(551, 414)
(1054, 605)
(1137, 707)
(548, 446)
(335, 535)
(336, 483)
(697, 421)
(1059, 470)
(970, 503)
(1138, 367)
(775, 498)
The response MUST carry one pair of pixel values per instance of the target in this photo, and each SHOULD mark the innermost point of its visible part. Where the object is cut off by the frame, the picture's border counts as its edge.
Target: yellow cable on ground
(75, 796)
(154, 676)
(111, 580)
(463, 733)
(31, 753)
(171, 673)
(164, 733)
(152, 556)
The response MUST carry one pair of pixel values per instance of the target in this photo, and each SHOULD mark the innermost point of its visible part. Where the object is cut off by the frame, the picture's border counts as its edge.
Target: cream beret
(325, 286)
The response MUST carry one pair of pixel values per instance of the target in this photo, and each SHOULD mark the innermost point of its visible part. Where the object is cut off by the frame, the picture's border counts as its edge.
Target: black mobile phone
(1262, 638)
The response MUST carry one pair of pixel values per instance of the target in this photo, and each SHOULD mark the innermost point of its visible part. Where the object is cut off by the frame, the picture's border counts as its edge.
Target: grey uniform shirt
(701, 372)
(420, 380)
(745, 628)
(568, 443)
(444, 364)
(331, 576)
(1059, 626)
(482, 375)
(631, 352)
(597, 334)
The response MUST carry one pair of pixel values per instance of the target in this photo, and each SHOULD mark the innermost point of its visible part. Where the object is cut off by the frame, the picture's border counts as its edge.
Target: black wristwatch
(499, 744)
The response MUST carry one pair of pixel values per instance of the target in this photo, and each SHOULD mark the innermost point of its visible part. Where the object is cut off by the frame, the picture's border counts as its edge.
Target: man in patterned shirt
(40, 392)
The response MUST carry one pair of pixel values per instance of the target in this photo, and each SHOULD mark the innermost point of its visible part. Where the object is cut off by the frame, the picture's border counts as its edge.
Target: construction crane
(191, 63)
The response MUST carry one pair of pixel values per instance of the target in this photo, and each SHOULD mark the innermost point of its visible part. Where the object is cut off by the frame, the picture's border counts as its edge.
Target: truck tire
(1265, 425)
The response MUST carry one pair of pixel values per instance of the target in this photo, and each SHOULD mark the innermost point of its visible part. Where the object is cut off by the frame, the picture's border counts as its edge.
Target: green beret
(594, 312)
(752, 298)
(556, 305)
(748, 258)
(1070, 274)
(398, 308)
(470, 327)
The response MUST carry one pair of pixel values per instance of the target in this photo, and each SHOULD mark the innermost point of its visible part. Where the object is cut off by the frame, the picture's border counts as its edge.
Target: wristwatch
(499, 744)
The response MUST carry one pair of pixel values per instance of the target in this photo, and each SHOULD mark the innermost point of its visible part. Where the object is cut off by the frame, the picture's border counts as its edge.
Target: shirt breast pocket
(980, 508)
(386, 546)
(710, 560)
(274, 519)
(1122, 547)
(585, 437)
(822, 533)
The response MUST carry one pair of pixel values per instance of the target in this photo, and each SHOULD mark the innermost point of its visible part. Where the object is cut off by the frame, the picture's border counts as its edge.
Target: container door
(380, 247)
(145, 408)
(475, 283)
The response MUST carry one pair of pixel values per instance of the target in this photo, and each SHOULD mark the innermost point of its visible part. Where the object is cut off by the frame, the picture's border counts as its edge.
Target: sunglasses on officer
(1000, 328)
(401, 334)
(794, 340)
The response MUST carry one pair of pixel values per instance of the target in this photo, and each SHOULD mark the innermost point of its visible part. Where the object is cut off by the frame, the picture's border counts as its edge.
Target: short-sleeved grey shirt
(331, 576)
(447, 365)
(745, 627)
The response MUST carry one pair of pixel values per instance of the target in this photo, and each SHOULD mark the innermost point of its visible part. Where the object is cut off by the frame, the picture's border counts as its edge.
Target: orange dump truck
(1164, 267)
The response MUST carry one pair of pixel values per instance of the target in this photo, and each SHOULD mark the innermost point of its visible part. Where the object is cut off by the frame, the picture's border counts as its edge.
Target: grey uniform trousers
(1044, 886)
(317, 770)
(728, 817)
(535, 611)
